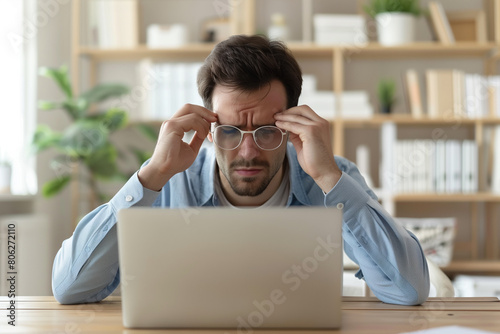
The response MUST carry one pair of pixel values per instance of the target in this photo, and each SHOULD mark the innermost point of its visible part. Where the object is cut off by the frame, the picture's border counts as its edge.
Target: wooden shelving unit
(488, 53)
(454, 198)
(472, 268)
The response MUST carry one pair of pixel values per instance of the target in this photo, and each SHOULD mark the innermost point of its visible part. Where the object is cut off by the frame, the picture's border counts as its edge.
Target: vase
(395, 28)
(385, 109)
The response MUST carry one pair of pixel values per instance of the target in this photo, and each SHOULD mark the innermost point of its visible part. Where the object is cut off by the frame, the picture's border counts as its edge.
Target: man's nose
(248, 148)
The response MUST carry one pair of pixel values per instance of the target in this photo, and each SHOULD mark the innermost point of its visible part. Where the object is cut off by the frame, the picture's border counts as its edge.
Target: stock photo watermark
(292, 278)
(46, 10)
(224, 8)
(427, 313)
(11, 271)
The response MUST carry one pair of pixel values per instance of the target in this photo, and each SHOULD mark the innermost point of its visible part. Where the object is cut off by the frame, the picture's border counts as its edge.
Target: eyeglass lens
(229, 137)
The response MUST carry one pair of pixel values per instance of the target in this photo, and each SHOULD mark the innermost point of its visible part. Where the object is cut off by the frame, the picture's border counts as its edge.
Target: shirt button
(340, 206)
(129, 198)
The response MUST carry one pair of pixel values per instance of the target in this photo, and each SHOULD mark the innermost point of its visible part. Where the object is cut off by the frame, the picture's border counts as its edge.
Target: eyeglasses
(229, 137)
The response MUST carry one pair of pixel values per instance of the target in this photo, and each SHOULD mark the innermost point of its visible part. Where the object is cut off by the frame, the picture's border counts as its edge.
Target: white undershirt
(279, 198)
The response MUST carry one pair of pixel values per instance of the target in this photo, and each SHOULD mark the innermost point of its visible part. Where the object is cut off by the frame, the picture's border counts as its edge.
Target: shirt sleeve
(85, 268)
(390, 258)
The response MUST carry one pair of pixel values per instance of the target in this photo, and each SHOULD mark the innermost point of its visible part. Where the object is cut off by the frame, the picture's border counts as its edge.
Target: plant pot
(385, 109)
(395, 28)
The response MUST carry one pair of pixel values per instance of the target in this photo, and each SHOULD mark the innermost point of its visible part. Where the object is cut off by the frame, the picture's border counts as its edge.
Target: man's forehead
(257, 107)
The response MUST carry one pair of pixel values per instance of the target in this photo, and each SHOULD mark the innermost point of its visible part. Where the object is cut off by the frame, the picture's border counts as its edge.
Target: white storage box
(167, 36)
(436, 237)
(477, 286)
(339, 29)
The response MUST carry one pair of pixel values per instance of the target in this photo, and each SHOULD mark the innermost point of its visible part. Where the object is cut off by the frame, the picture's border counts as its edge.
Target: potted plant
(386, 91)
(395, 20)
(86, 142)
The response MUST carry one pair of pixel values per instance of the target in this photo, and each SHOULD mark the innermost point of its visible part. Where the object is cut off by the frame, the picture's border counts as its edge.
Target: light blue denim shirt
(390, 258)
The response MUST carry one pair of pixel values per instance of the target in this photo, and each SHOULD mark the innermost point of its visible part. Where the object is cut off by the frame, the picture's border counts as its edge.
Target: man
(267, 152)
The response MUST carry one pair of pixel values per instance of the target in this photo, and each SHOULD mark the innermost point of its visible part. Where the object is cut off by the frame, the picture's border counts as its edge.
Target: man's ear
(209, 136)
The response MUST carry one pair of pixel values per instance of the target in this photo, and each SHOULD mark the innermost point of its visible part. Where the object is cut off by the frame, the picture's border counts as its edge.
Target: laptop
(245, 269)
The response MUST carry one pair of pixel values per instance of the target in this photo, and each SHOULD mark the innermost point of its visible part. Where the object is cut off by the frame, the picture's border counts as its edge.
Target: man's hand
(310, 135)
(171, 154)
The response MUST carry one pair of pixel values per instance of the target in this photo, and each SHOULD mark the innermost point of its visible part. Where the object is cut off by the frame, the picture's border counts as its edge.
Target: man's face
(248, 170)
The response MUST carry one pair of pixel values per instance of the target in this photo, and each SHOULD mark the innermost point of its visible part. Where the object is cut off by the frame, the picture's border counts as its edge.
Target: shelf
(473, 267)
(405, 119)
(433, 197)
(196, 50)
(371, 51)
(422, 50)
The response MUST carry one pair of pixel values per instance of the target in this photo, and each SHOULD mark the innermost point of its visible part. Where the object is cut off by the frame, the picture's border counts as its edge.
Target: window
(18, 91)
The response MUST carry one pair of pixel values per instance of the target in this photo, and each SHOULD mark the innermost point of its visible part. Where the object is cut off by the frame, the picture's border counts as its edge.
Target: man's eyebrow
(239, 126)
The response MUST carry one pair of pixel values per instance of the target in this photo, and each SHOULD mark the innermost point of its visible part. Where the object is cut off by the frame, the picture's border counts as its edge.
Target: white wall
(53, 51)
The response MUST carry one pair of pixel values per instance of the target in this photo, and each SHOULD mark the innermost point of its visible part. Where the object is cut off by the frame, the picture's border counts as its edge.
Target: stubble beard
(251, 186)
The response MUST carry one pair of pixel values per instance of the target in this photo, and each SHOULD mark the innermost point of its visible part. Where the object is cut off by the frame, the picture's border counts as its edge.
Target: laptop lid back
(227, 268)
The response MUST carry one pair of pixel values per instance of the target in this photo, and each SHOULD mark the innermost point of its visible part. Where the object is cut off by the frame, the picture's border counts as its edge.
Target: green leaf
(84, 138)
(147, 131)
(114, 119)
(60, 76)
(45, 138)
(402, 6)
(73, 109)
(103, 92)
(102, 163)
(54, 186)
(386, 91)
(48, 105)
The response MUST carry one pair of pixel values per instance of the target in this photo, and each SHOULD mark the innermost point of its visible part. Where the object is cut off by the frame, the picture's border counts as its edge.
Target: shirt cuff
(348, 195)
(133, 194)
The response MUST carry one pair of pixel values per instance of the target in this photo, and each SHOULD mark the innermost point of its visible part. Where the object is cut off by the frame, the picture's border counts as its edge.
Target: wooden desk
(359, 315)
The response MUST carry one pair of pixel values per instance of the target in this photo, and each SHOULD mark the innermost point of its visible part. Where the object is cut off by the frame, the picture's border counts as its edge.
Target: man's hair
(247, 63)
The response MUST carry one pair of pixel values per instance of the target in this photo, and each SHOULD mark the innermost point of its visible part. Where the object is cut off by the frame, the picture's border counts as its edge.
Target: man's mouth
(247, 171)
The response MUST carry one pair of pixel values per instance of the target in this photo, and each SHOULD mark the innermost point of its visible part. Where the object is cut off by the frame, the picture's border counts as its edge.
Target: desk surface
(359, 315)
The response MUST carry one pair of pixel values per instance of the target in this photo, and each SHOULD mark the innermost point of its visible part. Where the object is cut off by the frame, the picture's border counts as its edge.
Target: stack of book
(113, 23)
(428, 166)
(339, 29)
(167, 86)
(442, 166)
(353, 104)
(453, 93)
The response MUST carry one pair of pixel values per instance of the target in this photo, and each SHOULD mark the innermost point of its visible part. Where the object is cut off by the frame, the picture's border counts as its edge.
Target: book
(492, 8)
(116, 23)
(413, 93)
(388, 174)
(495, 177)
(440, 100)
(440, 23)
(445, 93)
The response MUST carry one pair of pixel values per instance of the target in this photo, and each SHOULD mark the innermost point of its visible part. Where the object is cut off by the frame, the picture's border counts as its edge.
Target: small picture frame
(468, 26)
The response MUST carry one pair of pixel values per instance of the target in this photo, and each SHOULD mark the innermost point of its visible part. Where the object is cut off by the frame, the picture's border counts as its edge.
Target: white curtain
(18, 92)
